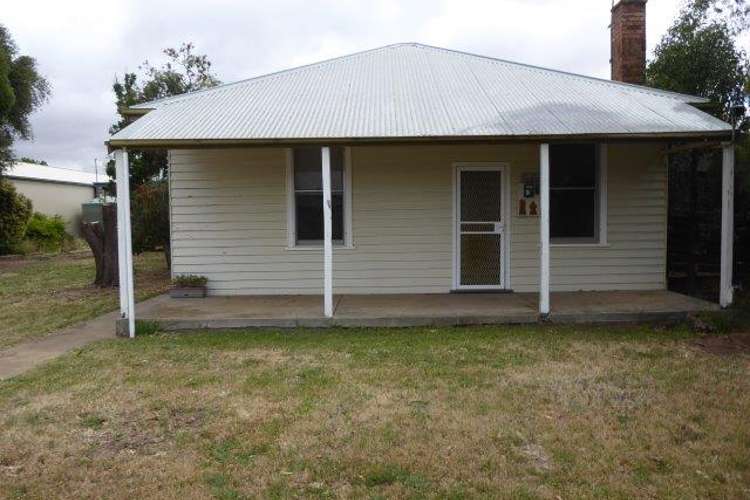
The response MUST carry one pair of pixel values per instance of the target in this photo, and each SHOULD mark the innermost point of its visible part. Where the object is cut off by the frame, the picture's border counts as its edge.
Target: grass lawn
(522, 412)
(39, 296)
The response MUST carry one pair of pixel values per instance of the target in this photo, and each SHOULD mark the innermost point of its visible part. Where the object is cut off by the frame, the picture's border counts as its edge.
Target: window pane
(307, 169)
(573, 165)
(337, 214)
(310, 216)
(337, 169)
(572, 213)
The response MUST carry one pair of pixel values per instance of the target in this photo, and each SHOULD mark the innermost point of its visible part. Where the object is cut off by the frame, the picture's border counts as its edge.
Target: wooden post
(544, 306)
(327, 234)
(727, 225)
(124, 241)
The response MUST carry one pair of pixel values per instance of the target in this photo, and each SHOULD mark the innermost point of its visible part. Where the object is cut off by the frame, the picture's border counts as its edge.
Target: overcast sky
(81, 45)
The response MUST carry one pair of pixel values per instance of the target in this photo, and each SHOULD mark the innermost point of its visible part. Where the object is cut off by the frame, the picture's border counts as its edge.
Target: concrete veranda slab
(289, 311)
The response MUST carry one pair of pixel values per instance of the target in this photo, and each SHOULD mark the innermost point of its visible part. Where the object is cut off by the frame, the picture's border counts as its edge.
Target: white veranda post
(327, 234)
(727, 225)
(124, 241)
(544, 229)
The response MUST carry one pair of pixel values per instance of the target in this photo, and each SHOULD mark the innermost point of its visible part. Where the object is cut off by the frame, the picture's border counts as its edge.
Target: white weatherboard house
(411, 169)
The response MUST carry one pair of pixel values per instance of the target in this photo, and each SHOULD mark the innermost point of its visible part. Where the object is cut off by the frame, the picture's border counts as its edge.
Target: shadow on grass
(732, 320)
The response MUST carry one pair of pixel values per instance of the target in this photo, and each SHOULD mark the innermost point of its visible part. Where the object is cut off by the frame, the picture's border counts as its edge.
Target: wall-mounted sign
(528, 196)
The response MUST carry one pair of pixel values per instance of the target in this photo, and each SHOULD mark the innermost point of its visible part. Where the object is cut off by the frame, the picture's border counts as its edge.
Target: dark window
(308, 194)
(574, 198)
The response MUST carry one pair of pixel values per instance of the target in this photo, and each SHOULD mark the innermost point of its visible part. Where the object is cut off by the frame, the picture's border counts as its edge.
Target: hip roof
(417, 91)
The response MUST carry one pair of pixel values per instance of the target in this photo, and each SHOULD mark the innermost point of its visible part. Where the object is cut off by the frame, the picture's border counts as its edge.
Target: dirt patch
(73, 294)
(725, 345)
(537, 457)
(251, 357)
(9, 263)
(144, 433)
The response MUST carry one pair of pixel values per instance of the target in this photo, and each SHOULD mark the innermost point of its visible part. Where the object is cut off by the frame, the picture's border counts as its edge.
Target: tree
(734, 13)
(183, 72)
(15, 212)
(102, 238)
(22, 90)
(699, 55)
(26, 159)
(150, 218)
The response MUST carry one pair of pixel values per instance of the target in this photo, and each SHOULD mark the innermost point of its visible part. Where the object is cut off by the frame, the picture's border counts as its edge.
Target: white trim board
(291, 219)
(602, 186)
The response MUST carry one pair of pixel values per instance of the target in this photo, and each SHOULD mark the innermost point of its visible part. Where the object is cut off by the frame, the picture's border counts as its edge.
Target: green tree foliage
(698, 55)
(734, 13)
(150, 217)
(15, 212)
(183, 72)
(26, 159)
(22, 90)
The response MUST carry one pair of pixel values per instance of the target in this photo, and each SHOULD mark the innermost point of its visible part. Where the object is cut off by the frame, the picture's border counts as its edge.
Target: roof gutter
(113, 144)
(125, 111)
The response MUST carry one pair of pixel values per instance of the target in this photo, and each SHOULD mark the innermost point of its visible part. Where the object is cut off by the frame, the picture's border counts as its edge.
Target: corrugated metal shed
(32, 171)
(417, 91)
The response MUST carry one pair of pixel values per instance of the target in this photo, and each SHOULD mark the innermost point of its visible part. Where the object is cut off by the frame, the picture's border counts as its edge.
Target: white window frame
(291, 209)
(602, 187)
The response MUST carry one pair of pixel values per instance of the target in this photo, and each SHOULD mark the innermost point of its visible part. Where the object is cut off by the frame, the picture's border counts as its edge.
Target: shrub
(23, 247)
(143, 328)
(150, 217)
(188, 280)
(47, 232)
(15, 212)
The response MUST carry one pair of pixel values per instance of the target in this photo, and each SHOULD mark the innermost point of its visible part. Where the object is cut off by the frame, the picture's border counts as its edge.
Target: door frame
(504, 168)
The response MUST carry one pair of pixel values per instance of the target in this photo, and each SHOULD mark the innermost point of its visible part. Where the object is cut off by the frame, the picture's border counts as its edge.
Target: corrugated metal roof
(23, 170)
(417, 91)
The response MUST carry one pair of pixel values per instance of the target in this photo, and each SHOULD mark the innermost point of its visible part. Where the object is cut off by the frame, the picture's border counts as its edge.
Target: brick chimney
(629, 41)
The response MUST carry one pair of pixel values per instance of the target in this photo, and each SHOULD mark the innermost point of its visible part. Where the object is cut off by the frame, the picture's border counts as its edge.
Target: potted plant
(188, 286)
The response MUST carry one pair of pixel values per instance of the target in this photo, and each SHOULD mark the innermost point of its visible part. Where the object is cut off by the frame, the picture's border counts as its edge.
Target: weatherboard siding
(228, 210)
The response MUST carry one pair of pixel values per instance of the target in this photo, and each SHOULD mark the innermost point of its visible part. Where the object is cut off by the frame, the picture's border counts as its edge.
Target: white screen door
(480, 227)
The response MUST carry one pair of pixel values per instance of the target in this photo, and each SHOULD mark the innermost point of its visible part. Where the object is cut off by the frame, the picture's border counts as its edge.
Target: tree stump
(102, 238)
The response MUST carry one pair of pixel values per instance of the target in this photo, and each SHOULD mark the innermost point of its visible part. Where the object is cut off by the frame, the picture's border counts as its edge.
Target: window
(306, 197)
(576, 199)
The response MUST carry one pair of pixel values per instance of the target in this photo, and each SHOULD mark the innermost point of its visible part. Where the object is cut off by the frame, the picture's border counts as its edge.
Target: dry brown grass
(41, 295)
(453, 413)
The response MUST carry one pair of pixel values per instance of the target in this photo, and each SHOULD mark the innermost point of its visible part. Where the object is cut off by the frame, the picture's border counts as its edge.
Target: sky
(81, 45)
